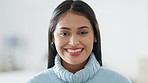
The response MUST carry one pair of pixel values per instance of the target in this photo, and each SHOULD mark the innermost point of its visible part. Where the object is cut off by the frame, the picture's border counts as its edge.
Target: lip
(74, 51)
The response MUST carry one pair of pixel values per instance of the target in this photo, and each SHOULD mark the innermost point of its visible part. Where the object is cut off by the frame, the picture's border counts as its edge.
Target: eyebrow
(82, 27)
(65, 28)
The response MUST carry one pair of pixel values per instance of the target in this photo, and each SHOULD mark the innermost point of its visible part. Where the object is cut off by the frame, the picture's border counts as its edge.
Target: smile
(73, 51)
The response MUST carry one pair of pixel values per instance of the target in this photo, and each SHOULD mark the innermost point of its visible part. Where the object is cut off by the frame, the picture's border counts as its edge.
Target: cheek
(88, 42)
(59, 42)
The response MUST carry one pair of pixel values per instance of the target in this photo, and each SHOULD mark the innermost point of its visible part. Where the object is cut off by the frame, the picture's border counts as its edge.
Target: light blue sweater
(92, 73)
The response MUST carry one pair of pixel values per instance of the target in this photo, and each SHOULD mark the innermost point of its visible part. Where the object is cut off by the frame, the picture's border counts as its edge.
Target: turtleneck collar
(80, 76)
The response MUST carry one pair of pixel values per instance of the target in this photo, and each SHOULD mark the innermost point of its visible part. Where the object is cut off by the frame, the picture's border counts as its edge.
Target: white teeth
(78, 50)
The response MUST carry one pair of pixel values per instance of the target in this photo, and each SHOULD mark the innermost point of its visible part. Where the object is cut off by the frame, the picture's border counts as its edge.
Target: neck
(73, 68)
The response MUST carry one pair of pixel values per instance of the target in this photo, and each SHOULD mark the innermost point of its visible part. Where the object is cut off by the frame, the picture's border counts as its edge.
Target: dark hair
(76, 6)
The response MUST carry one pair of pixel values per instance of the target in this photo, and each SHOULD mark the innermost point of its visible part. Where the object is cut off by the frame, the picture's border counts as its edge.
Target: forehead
(71, 20)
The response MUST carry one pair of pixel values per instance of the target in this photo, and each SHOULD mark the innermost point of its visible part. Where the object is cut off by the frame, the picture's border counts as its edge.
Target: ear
(53, 40)
(95, 39)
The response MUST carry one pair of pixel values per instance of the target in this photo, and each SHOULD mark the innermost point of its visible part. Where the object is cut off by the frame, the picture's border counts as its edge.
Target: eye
(83, 33)
(63, 34)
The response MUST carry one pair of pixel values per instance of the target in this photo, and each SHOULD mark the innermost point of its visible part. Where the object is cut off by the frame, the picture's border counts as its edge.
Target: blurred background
(24, 37)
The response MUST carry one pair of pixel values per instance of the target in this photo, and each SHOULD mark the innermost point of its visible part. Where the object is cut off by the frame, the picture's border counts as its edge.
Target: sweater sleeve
(42, 77)
(114, 77)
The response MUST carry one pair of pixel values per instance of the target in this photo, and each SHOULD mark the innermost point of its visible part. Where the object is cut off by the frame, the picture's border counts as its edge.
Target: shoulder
(42, 77)
(110, 76)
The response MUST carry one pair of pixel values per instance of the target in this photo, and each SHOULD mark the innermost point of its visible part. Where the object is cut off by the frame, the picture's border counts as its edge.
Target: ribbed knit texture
(92, 73)
(80, 76)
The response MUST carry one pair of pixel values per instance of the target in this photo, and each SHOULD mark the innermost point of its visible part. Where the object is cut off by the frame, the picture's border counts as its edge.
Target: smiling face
(74, 38)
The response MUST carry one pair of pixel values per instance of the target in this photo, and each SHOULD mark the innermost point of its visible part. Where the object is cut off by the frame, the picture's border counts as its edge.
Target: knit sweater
(92, 73)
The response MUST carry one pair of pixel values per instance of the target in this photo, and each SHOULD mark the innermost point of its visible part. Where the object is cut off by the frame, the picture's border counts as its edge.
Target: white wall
(124, 30)
(123, 25)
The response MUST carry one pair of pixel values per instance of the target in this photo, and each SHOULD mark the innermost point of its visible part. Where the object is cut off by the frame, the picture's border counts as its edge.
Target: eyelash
(83, 32)
(64, 34)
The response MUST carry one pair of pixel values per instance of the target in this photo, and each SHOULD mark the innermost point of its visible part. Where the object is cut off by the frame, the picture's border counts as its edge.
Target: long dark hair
(77, 6)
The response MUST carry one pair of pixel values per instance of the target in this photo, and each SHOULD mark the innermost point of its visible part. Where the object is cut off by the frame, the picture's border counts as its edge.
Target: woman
(75, 48)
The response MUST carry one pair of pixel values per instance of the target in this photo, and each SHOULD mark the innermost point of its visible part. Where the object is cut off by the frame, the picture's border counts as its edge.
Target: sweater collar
(80, 76)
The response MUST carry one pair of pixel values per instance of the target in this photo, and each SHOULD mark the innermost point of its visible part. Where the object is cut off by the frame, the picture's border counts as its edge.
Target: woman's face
(74, 38)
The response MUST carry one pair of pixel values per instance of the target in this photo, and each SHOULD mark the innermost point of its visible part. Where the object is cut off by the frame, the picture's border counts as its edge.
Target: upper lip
(73, 48)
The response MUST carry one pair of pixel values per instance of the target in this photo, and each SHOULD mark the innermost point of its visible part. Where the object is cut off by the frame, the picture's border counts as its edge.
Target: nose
(74, 40)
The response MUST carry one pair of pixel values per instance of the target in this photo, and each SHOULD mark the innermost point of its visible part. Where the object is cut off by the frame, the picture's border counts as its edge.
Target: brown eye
(83, 33)
(64, 34)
